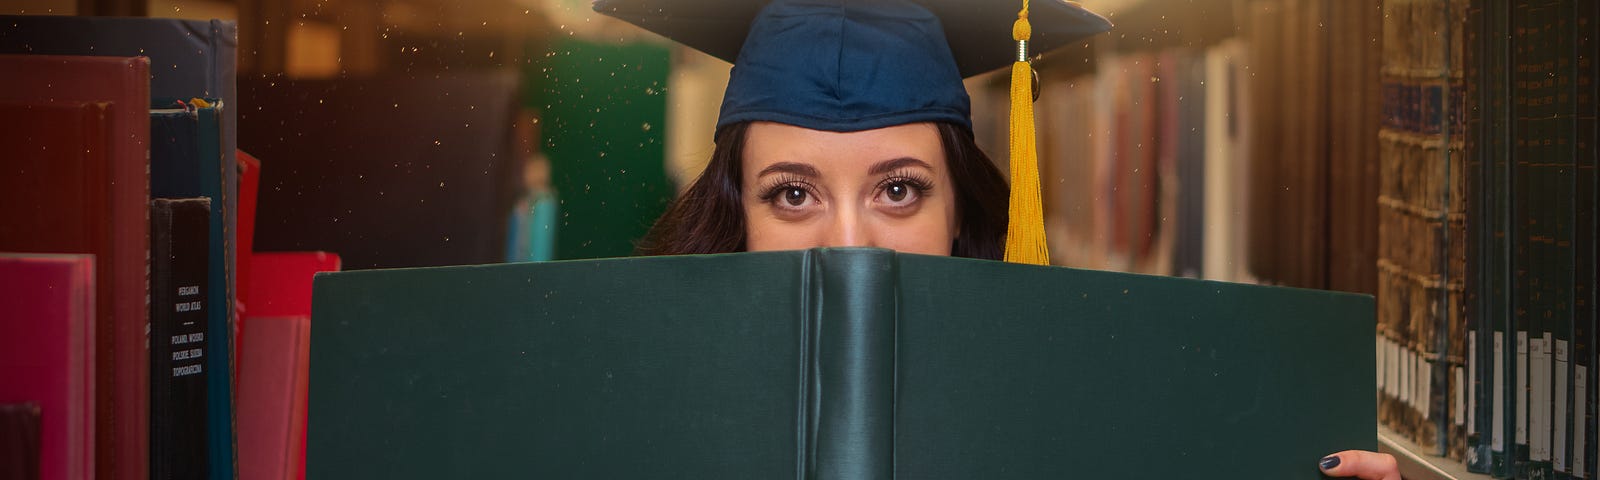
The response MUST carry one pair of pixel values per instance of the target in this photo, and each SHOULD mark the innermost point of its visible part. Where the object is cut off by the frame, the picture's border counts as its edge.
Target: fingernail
(1329, 462)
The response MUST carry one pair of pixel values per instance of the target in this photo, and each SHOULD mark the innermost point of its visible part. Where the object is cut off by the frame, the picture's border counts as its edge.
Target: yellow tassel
(1025, 241)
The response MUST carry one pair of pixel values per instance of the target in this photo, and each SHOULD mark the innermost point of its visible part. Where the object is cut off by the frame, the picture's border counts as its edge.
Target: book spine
(849, 371)
(215, 180)
(1500, 143)
(1476, 456)
(1451, 375)
(1522, 248)
(179, 260)
(1586, 72)
(1543, 271)
(1563, 166)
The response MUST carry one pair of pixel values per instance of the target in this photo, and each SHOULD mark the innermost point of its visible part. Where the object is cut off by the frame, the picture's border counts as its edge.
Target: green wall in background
(602, 107)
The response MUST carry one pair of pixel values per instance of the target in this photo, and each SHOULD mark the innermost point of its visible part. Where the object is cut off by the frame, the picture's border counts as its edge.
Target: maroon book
(47, 355)
(74, 136)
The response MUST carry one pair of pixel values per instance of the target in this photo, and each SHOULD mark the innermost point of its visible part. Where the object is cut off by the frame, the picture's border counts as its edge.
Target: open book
(829, 363)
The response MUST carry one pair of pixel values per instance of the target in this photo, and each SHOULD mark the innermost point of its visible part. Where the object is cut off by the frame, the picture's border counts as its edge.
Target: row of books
(1140, 162)
(133, 217)
(1487, 221)
(1250, 158)
(1436, 153)
(1531, 150)
(1261, 157)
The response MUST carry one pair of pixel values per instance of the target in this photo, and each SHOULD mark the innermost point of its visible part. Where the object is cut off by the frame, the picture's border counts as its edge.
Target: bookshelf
(1419, 466)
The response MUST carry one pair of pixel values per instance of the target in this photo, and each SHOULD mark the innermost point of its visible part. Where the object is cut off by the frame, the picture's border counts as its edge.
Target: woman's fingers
(1361, 464)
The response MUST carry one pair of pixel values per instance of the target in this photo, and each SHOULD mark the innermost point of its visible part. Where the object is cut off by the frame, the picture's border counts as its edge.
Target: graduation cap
(851, 65)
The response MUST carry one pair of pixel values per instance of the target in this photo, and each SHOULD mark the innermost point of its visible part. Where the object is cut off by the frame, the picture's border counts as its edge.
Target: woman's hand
(1361, 464)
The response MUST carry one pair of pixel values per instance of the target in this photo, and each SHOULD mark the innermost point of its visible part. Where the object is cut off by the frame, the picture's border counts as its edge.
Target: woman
(846, 123)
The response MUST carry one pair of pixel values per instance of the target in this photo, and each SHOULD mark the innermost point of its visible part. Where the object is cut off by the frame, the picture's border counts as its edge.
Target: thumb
(1360, 464)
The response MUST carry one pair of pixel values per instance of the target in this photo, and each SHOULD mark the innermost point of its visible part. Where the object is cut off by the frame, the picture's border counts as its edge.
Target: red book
(249, 185)
(47, 354)
(73, 184)
(274, 363)
(273, 368)
(280, 282)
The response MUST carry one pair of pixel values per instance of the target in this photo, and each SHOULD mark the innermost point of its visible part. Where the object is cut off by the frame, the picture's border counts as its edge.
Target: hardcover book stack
(135, 166)
(1487, 307)
(1421, 212)
(1252, 157)
(1530, 322)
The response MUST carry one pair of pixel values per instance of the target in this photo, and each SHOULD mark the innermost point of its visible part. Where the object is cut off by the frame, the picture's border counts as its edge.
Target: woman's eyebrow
(891, 165)
(801, 169)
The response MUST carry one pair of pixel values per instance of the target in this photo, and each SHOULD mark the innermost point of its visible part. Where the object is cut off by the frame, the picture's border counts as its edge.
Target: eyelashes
(785, 183)
(901, 190)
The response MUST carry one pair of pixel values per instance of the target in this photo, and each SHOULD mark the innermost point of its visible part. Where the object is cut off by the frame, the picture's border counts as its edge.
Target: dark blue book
(186, 161)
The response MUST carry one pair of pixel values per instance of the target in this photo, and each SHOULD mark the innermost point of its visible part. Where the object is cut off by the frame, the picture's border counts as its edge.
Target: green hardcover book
(829, 363)
(1476, 110)
(1562, 159)
(1584, 245)
(1540, 219)
(1522, 91)
(1499, 107)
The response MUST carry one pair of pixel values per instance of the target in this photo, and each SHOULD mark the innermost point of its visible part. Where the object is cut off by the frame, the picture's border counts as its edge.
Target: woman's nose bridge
(850, 229)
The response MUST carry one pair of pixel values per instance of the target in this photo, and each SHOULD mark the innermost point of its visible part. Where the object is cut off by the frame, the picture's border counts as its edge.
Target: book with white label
(180, 258)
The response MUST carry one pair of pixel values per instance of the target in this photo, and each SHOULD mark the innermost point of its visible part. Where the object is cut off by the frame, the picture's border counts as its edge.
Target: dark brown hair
(709, 216)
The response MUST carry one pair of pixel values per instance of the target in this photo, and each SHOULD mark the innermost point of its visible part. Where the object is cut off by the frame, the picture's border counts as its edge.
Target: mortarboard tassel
(1025, 241)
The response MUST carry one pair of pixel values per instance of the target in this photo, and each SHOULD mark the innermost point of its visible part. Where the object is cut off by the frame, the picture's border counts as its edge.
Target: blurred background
(1364, 146)
(432, 132)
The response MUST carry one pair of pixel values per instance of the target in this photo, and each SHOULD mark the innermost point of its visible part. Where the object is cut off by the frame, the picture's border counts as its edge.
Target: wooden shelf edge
(1415, 465)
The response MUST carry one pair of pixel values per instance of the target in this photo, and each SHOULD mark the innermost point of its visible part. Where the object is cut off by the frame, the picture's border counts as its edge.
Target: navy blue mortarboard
(843, 65)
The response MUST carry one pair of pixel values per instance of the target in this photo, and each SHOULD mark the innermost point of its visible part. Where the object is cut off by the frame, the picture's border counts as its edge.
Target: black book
(179, 262)
(20, 434)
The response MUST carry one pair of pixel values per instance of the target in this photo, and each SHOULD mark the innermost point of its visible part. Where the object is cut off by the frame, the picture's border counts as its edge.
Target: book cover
(828, 363)
(180, 261)
(88, 200)
(47, 359)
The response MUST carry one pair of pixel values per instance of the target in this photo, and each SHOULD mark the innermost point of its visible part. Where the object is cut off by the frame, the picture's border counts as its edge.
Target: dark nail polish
(1329, 462)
